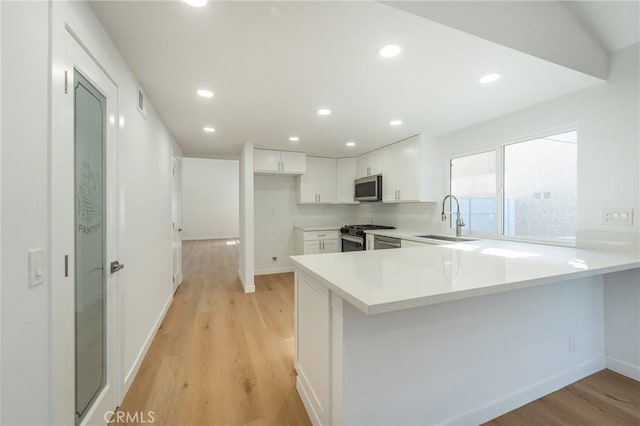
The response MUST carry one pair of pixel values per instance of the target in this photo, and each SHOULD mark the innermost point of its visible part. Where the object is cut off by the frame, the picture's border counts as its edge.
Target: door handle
(179, 229)
(116, 266)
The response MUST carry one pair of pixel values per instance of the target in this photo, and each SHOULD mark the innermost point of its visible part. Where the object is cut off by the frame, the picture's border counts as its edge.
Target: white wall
(145, 171)
(246, 258)
(210, 198)
(622, 322)
(276, 213)
(608, 133)
(25, 121)
(457, 363)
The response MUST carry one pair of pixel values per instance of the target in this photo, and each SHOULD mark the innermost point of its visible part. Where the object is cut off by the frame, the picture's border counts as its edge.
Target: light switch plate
(36, 267)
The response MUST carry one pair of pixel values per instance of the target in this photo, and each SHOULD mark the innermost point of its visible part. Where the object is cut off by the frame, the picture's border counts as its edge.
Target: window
(473, 182)
(524, 190)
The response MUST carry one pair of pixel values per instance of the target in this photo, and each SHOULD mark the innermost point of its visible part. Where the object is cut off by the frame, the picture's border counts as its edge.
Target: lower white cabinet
(317, 242)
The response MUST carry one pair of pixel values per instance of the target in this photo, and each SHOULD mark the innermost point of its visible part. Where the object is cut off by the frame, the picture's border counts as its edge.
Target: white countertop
(319, 228)
(378, 281)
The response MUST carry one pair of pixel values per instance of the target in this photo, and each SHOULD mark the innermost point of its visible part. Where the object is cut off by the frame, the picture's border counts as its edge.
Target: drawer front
(321, 235)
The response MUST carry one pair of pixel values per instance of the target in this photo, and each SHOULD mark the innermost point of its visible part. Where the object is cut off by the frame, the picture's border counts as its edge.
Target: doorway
(176, 222)
(85, 229)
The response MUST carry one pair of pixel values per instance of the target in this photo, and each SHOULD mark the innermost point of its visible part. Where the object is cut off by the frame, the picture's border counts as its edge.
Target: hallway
(221, 356)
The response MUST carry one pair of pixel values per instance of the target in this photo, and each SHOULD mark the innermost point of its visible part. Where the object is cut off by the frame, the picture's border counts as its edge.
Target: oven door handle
(352, 239)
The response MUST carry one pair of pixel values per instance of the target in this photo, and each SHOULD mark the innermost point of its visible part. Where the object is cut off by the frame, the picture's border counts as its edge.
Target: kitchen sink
(446, 238)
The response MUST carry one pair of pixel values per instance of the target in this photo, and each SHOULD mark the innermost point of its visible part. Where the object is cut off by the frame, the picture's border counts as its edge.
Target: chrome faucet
(459, 221)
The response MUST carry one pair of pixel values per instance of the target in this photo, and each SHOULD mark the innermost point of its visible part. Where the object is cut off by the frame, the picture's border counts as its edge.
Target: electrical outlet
(274, 259)
(572, 344)
(618, 216)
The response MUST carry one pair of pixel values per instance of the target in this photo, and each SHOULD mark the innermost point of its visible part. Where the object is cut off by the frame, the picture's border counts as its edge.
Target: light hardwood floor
(221, 357)
(602, 399)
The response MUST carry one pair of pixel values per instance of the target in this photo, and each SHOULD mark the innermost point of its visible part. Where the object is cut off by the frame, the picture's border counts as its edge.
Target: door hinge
(66, 82)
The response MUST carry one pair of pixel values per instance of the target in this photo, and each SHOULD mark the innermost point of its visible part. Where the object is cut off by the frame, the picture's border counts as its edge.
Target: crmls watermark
(140, 417)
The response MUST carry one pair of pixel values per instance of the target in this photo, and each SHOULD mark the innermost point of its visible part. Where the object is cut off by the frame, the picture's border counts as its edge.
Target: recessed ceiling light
(489, 78)
(294, 139)
(209, 129)
(196, 3)
(395, 122)
(205, 93)
(350, 144)
(324, 111)
(390, 50)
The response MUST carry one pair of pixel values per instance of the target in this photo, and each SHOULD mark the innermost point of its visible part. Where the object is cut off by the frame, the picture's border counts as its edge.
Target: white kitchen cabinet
(370, 164)
(317, 242)
(317, 184)
(313, 359)
(346, 173)
(311, 247)
(407, 172)
(278, 162)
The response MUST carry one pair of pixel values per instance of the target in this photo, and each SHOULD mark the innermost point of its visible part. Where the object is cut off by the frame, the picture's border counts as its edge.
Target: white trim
(623, 367)
(302, 392)
(278, 270)
(517, 399)
(250, 289)
(212, 237)
(133, 372)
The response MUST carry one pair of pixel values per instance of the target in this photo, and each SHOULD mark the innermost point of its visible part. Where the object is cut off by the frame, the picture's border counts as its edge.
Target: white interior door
(176, 219)
(85, 235)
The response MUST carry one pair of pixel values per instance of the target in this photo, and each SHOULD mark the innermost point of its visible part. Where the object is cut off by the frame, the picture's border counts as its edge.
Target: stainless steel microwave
(369, 188)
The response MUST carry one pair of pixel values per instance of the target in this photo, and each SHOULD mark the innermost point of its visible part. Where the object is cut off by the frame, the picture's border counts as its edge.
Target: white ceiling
(273, 64)
(614, 24)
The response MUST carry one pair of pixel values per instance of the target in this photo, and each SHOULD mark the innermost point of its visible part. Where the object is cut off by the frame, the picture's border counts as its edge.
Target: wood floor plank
(602, 399)
(221, 357)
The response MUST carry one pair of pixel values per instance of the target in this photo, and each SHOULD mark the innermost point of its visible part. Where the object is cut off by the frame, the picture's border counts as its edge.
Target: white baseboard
(245, 287)
(131, 375)
(623, 367)
(313, 416)
(278, 270)
(212, 237)
(517, 399)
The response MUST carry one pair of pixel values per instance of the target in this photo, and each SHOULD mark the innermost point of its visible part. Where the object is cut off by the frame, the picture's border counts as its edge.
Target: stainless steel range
(353, 236)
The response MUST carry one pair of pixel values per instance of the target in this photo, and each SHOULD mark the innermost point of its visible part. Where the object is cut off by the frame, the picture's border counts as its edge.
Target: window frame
(499, 150)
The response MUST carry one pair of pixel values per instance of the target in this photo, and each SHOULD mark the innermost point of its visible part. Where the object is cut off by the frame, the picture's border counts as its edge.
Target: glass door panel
(89, 140)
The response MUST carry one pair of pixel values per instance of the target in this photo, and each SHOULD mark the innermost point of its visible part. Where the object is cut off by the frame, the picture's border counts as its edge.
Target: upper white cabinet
(282, 162)
(346, 173)
(370, 164)
(317, 184)
(409, 172)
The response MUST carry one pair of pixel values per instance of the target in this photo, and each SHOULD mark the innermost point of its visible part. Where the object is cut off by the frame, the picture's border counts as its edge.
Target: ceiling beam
(547, 30)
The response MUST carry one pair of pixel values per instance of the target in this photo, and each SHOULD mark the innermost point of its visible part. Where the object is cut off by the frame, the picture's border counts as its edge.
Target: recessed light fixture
(489, 78)
(294, 139)
(324, 111)
(205, 93)
(209, 129)
(351, 143)
(390, 50)
(196, 3)
(395, 122)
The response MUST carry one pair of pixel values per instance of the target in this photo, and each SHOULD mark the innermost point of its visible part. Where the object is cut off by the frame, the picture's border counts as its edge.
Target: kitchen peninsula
(447, 334)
